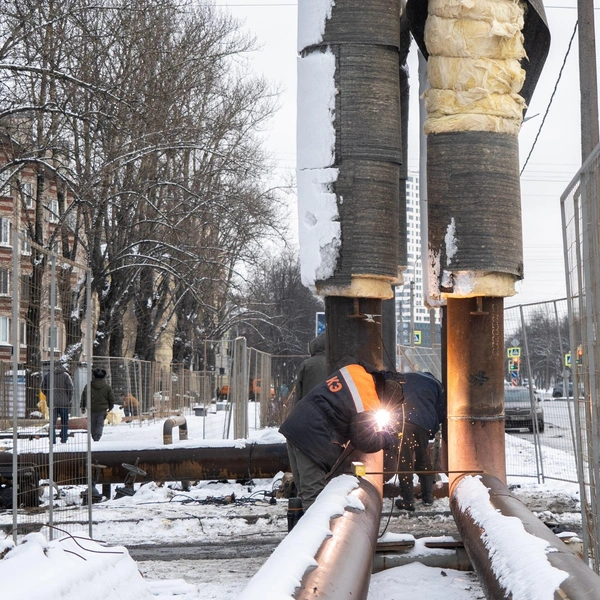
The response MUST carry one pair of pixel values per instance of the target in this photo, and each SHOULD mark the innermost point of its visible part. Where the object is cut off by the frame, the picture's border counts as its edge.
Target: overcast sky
(551, 166)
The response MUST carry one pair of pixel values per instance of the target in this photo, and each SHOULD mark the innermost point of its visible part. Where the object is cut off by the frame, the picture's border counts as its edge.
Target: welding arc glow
(382, 418)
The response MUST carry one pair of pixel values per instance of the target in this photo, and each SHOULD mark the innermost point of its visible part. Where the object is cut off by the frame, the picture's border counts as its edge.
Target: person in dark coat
(424, 410)
(102, 402)
(314, 369)
(338, 411)
(62, 398)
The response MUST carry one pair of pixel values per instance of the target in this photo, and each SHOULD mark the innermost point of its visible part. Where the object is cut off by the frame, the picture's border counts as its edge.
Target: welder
(424, 410)
(340, 413)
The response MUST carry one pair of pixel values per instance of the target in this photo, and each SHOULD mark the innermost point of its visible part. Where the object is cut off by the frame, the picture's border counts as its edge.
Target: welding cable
(397, 476)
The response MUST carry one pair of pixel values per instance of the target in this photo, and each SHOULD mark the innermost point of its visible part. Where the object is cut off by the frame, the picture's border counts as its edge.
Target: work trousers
(63, 413)
(414, 456)
(97, 424)
(310, 478)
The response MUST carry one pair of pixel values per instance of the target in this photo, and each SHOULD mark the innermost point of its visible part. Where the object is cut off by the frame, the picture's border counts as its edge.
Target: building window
(27, 194)
(53, 339)
(25, 243)
(24, 288)
(5, 232)
(4, 330)
(53, 211)
(4, 282)
(23, 334)
(4, 187)
(53, 301)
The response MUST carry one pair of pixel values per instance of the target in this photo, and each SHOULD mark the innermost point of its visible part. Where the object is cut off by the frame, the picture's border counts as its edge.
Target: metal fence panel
(580, 219)
(49, 300)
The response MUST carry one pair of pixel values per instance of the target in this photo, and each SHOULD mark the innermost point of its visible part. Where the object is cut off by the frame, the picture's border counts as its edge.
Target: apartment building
(412, 315)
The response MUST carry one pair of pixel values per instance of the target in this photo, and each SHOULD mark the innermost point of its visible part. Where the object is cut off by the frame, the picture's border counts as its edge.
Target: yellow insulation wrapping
(441, 103)
(506, 11)
(495, 76)
(475, 48)
(471, 122)
(473, 39)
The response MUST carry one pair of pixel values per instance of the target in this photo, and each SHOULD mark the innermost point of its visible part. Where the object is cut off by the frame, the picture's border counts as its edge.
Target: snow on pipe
(514, 554)
(484, 59)
(329, 554)
(349, 146)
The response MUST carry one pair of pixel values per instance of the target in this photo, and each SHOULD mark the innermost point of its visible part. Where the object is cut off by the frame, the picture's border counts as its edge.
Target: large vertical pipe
(475, 386)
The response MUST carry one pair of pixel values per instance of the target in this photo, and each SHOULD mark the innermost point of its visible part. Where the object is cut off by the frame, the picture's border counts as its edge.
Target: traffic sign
(417, 338)
(514, 377)
(513, 352)
(568, 359)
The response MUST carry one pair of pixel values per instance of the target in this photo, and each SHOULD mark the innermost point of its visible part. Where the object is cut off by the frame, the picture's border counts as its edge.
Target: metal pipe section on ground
(343, 555)
(165, 464)
(581, 584)
(172, 422)
(345, 560)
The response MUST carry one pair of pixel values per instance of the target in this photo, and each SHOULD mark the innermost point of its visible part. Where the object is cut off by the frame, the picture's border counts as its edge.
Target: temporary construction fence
(580, 206)
(536, 358)
(536, 348)
(45, 476)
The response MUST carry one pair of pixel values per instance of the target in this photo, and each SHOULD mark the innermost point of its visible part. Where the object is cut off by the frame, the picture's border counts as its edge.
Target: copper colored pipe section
(475, 386)
(165, 464)
(168, 429)
(345, 560)
(581, 584)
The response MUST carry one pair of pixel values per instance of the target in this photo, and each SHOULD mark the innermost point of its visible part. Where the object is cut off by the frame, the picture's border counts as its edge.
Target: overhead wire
(551, 97)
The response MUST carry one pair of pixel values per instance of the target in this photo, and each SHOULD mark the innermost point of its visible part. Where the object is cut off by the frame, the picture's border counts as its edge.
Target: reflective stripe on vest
(361, 387)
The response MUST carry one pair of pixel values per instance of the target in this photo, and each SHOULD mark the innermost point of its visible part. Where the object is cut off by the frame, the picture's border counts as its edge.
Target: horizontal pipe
(259, 461)
(580, 584)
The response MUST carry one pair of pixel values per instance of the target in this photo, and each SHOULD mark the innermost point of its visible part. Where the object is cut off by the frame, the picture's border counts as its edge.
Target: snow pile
(69, 569)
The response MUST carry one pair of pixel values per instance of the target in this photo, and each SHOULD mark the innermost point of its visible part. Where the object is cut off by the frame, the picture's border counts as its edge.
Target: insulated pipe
(165, 464)
(490, 563)
(168, 429)
(349, 146)
(345, 560)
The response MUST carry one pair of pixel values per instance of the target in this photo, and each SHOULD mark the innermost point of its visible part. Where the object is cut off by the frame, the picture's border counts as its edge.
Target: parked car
(517, 409)
(559, 391)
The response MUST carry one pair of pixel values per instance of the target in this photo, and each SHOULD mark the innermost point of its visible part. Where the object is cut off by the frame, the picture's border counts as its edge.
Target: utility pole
(412, 310)
(588, 78)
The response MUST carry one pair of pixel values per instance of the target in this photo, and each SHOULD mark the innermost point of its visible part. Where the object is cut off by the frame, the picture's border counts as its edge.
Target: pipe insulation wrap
(349, 86)
(475, 240)
(475, 48)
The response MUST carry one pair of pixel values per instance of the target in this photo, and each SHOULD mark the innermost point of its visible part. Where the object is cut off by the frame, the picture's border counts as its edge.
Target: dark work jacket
(102, 396)
(313, 370)
(338, 410)
(424, 401)
(63, 388)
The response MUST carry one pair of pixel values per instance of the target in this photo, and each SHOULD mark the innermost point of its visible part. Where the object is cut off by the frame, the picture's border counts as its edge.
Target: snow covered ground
(224, 532)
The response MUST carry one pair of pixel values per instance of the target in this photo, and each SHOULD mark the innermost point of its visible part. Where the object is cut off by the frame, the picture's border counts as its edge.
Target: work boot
(427, 489)
(295, 512)
(403, 505)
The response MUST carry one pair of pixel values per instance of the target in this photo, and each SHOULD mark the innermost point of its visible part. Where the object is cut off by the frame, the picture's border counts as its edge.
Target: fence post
(534, 422)
(239, 389)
